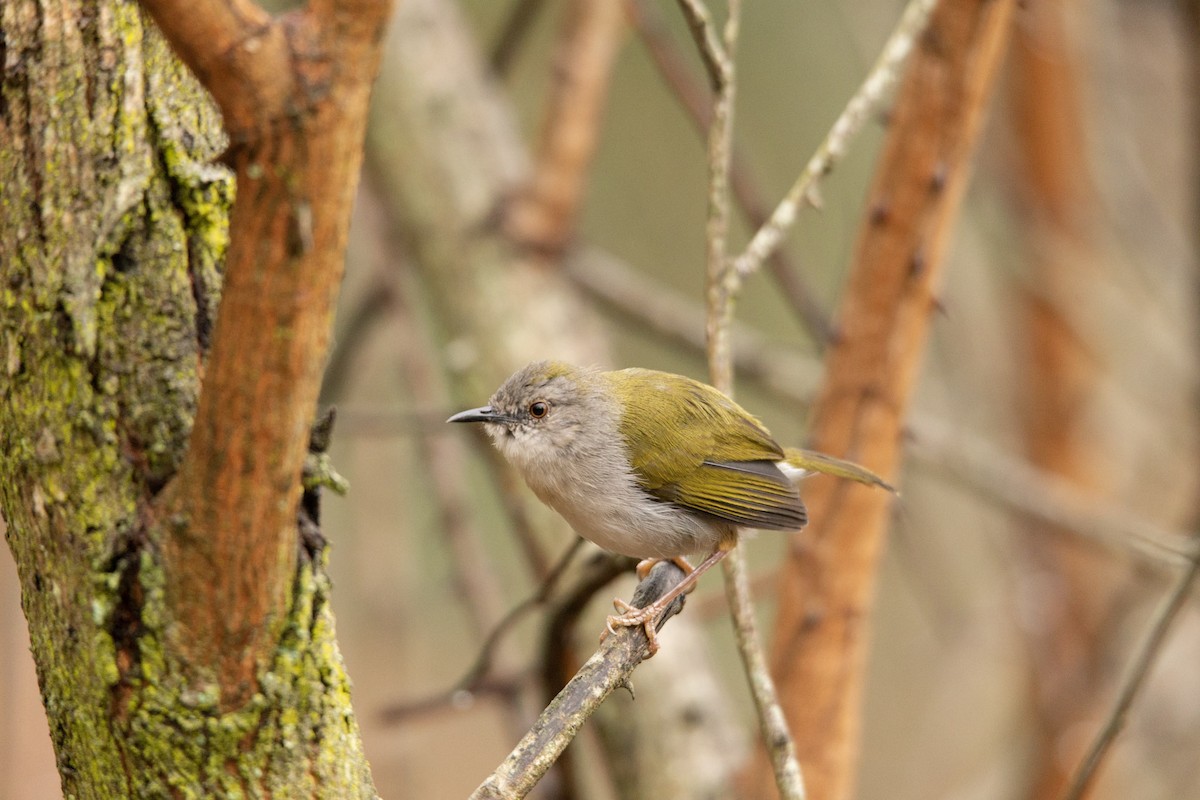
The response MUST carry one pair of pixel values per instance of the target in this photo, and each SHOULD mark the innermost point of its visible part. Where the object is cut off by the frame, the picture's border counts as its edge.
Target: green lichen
(109, 263)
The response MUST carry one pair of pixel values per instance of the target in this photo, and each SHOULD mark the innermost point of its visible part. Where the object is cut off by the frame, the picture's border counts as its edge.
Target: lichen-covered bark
(113, 226)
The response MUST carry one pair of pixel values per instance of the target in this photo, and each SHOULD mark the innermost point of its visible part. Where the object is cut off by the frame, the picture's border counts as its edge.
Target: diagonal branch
(696, 101)
(1143, 660)
(717, 61)
(868, 97)
(609, 668)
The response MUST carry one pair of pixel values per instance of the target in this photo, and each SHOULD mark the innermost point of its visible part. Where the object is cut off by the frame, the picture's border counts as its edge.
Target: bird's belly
(634, 524)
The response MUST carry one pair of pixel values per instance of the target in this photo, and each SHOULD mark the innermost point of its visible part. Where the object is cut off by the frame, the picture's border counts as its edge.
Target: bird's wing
(709, 456)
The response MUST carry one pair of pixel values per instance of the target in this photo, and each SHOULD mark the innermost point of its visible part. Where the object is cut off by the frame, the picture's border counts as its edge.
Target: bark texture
(113, 232)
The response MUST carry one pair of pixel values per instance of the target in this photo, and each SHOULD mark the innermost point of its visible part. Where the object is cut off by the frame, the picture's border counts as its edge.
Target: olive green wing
(693, 446)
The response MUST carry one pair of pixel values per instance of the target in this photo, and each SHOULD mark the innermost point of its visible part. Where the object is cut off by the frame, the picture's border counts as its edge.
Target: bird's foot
(632, 617)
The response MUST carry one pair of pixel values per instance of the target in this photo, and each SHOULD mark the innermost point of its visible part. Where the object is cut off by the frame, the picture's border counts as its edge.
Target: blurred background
(1051, 474)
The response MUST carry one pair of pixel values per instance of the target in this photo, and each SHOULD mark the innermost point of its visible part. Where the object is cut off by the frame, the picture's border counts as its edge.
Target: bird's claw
(631, 617)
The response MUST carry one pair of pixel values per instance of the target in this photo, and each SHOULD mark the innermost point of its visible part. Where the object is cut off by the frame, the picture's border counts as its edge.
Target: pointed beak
(484, 414)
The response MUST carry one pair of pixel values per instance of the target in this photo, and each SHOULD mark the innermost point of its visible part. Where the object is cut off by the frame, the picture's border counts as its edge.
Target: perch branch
(608, 668)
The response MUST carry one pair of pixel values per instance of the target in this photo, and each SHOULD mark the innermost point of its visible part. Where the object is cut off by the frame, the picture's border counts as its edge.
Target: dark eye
(539, 409)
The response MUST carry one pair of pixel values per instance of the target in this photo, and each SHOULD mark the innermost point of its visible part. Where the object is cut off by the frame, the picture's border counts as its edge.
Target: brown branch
(230, 533)
(1068, 656)
(827, 582)
(542, 216)
(610, 667)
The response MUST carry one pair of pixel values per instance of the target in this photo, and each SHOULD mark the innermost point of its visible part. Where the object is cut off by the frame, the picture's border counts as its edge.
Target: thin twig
(721, 290)
(872, 91)
(772, 723)
(697, 102)
(717, 61)
(1143, 660)
(456, 699)
(483, 661)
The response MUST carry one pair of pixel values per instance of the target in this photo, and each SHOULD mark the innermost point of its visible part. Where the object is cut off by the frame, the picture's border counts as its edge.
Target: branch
(227, 519)
(607, 669)
(872, 91)
(1143, 660)
(513, 34)
(542, 216)
(695, 99)
(716, 60)
(828, 580)
(772, 724)
(241, 55)
(721, 288)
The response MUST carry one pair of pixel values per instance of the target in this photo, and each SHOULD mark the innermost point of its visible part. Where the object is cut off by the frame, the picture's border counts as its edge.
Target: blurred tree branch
(542, 215)
(1143, 659)
(827, 583)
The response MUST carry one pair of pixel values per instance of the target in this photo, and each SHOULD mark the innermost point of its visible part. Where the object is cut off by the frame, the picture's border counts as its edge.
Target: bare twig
(717, 61)
(1016, 483)
(484, 660)
(456, 699)
(608, 668)
(872, 91)
(664, 312)
(697, 102)
(1143, 660)
(772, 723)
(477, 678)
(722, 286)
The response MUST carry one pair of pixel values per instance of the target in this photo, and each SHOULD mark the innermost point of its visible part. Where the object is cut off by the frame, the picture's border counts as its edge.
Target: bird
(649, 464)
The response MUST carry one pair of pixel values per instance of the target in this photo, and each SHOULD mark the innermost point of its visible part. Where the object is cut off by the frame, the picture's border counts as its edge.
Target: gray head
(540, 413)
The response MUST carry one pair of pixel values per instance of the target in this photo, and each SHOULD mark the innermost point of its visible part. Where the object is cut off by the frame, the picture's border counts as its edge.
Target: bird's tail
(811, 461)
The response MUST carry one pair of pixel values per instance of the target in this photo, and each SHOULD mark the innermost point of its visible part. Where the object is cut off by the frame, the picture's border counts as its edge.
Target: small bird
(649, 464)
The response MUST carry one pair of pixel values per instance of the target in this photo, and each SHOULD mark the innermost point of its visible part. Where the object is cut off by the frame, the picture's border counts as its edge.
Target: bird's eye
(539, 409)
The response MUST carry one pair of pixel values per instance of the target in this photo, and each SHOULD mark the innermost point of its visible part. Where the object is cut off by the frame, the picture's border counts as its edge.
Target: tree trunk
(115, 225)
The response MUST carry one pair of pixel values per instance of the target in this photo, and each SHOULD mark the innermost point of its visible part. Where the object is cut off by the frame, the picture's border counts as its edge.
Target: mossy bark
(113, 226)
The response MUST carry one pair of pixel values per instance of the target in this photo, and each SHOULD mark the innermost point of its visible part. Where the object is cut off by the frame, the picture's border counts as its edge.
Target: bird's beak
(484, 414)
